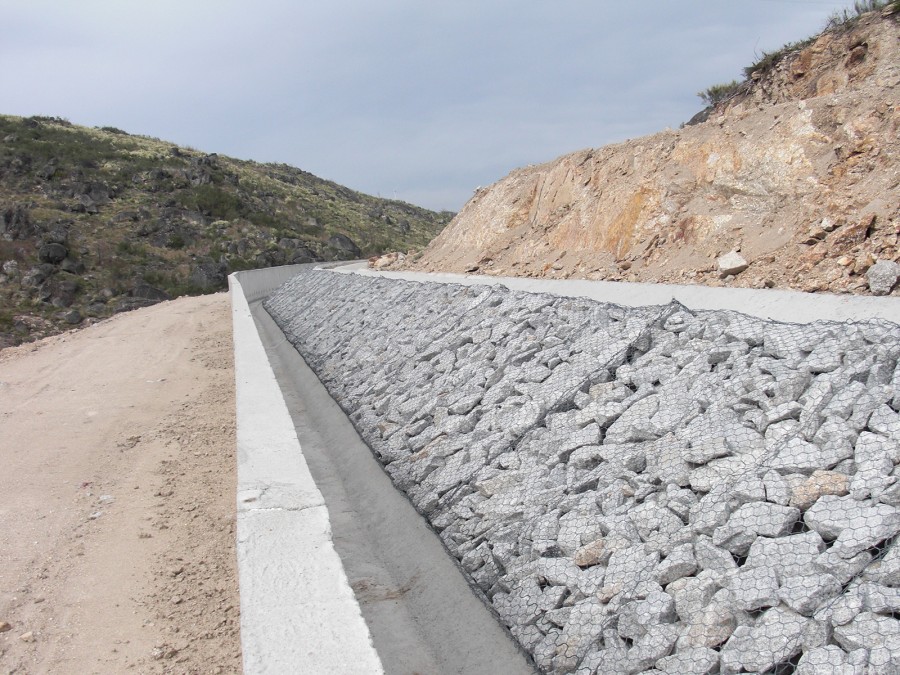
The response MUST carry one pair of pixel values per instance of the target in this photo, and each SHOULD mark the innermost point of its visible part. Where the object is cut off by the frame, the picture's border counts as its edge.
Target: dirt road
(117, 496)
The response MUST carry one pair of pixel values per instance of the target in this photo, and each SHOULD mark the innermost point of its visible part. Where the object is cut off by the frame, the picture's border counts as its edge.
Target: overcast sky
(409, 99)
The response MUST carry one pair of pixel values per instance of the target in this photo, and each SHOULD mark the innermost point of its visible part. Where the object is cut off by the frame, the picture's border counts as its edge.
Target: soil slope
(799, 173)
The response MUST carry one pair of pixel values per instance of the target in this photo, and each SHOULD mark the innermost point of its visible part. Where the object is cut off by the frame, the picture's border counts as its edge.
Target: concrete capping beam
(298, 612)
(778, 305)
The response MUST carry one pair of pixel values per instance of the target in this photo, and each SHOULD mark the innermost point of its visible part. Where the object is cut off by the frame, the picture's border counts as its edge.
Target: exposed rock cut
(800, 174)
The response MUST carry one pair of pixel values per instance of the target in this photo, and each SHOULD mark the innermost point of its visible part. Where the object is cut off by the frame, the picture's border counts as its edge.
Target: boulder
(345, 245)
(52, 253)
(731, 264)
(883, 276)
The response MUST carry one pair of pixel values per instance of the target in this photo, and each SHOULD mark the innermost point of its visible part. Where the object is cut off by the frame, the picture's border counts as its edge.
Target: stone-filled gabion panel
(633, 490)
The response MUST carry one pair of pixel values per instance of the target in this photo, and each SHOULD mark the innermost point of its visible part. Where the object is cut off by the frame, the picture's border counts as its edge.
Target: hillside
(98, 221)
(798, 174)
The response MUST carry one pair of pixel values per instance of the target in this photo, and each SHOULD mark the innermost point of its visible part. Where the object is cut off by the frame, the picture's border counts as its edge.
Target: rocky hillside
(97, 221)
(792, 182)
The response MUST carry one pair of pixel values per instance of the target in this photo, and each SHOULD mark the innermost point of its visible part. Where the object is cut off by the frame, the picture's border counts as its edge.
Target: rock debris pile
(633, 490)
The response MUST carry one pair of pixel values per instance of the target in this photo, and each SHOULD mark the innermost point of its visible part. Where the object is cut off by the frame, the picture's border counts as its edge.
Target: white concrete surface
(298, 612)
(789, 306)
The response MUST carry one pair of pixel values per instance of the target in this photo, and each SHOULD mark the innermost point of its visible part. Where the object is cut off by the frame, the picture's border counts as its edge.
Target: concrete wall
(778, 305)
(298, 612)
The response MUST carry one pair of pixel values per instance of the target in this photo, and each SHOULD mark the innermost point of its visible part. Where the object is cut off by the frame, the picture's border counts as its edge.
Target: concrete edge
(298, 612)
(777, 305)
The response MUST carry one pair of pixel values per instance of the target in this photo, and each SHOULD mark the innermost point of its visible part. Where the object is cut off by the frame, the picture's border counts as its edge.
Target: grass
(719, 92)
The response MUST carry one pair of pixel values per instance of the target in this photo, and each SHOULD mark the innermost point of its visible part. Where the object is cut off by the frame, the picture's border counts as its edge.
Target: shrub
(719, 92)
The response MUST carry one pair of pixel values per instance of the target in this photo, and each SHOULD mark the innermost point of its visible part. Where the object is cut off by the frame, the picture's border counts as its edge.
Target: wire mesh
(633, 490)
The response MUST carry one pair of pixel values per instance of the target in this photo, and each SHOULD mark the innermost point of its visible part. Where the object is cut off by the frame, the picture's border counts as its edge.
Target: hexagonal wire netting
(633, 490)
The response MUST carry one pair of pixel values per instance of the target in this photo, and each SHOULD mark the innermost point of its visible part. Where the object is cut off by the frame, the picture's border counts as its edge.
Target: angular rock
(732, 263)
(774, 639)
(797, 456)
(638, 616)
(788, 556)
(883, 276)
(831, 659)
(679, 563)
(754, 588)
(868, 630)
(855, 526)
(712, 626)
(693, 594)
(630, 569)
(805, 593)
(819, 484)
(695, 661)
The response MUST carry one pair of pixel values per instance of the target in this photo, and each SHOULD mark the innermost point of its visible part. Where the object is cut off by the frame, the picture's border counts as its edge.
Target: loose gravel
(633, 490)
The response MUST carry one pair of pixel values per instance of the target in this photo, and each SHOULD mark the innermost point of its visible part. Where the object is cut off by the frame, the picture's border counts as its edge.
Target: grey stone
(649, 517)
(692, 594)
(587, 621)
(732, 263)
(843, 569)
(654, 645)
(759, 518)
(710, 557)
(829, 659)
(555, 571)
(705, 449)
(754, 588)
(788, 556)
(884, 659)
(577, 528)
(882, 276)
(774, 639)
(880, 599)
(748, 488)
(630, 569)
(868, 630)
(886, 571)
(694, 661)
(712, 511)
(886, 422)
(679, 563)
(805, 593)
(874, 463)
(679, 501)
(855, 526)
(636, 617)
(777, 489)
(841, 610)
(795, 455)
(710, 627)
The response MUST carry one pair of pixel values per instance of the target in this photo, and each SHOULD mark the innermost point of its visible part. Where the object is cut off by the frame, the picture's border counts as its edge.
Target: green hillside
(97, 221)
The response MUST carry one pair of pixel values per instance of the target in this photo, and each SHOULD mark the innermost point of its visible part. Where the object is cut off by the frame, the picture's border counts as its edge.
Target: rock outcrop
(799, 174)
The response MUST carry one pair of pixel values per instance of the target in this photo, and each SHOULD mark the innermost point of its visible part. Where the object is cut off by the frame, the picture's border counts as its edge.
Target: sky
(415, 100)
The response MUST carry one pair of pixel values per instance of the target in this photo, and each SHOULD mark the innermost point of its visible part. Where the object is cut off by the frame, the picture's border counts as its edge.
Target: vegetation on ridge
(95, 221)
(846, 18)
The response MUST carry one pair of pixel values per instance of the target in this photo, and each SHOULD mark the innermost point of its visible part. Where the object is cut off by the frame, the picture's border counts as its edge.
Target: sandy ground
(117, 496)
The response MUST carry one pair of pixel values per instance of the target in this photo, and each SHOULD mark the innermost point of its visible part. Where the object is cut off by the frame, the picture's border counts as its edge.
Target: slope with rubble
(798, 174)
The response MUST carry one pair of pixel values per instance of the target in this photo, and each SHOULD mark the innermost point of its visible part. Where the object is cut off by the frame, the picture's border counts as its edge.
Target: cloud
(419, 101)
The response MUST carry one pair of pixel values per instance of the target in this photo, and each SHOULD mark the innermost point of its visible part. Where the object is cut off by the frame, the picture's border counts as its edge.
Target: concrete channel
(338, 571)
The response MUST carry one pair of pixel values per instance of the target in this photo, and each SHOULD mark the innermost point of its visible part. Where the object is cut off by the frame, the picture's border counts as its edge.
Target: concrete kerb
(787, 306)
(298, 612)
